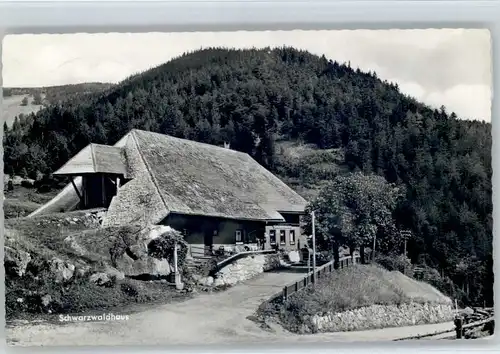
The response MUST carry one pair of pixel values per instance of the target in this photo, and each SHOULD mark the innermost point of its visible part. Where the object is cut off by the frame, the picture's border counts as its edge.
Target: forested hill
(256, 98)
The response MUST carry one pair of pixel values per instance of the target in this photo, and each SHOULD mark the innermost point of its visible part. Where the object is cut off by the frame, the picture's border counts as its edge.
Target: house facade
(217, 197)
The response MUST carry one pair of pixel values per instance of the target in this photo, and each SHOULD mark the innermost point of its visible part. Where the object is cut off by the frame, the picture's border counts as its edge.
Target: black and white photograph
(208, 188)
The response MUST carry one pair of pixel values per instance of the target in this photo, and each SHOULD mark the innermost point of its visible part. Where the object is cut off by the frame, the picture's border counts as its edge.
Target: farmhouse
(215, 196)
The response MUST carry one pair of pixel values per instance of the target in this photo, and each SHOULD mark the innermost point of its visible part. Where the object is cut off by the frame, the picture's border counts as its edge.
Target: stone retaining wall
(245, 268)
(380, 316)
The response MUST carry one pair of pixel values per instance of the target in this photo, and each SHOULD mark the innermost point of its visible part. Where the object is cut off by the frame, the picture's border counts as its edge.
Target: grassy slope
(351, 288)
(365, 285)
(22, 201)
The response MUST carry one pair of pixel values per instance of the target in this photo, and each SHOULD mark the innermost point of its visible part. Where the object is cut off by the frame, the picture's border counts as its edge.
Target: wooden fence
(463, 326)
(321, 271)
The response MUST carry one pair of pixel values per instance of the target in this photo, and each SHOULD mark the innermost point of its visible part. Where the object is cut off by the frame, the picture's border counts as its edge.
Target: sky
(450, 67)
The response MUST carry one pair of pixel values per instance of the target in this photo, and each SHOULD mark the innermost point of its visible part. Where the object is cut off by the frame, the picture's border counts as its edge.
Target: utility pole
(314, 246)
(406, 235)
(177, 276)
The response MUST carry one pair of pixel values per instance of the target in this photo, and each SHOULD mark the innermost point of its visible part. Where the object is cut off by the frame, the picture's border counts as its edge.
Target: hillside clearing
(11, 108)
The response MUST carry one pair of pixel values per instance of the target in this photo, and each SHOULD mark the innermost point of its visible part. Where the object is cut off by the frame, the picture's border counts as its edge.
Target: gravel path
(219, 318)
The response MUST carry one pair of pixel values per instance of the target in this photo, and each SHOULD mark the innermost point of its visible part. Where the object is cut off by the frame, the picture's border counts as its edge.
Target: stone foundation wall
(380, 316)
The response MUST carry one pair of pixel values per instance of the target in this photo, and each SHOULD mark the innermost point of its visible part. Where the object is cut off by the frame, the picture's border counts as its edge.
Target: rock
(81, 270)
(46, 300)
(161, 267)
(17, 260)
(17, 180)
(63, 271)
(155, 231)
(219, 282)
(294, 256)
(144, 265)
(142, 257)
(196, 277)
(72, 242)
(101, 279)
(208, 281)
(467, 311)
(114, 273)
(284, 264)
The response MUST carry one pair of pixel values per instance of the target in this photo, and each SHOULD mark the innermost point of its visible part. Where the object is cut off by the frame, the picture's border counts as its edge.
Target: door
(209, 243)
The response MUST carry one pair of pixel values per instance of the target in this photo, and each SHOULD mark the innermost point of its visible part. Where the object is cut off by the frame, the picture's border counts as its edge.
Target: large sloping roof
(96, 158)
(202, 179)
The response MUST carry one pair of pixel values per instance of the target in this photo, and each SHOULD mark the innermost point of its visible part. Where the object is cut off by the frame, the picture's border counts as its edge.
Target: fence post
(285, 293)
(458, 327)
(296, 286)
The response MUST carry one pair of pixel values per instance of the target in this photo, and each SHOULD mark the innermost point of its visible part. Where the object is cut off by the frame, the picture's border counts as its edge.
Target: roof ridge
(105, 145)
(151, 175)
(192, 141)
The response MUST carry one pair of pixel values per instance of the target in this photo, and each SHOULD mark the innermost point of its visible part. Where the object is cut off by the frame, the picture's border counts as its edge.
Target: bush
(443, 284)
(398, 263)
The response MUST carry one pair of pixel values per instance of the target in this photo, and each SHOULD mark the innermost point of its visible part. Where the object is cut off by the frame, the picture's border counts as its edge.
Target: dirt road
(207, 319)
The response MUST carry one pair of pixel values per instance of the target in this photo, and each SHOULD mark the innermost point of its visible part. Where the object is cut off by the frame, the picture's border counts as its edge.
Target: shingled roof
(202, 179)
(96, 158)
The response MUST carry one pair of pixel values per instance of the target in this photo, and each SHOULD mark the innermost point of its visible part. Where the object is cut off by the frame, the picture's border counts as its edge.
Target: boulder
(46, 300)
(17, 180)
(62, 271)
(82, 270)
(208, 281)
(114, 273)
(467, 311)
(143, 265)
(219, 282)
(155, 231)
(75, 246)
(101, 279)
(17, 260)
(130, 250)
(294, 256)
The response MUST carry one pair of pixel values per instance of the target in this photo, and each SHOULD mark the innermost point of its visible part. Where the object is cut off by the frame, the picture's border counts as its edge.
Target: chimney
(227, 145)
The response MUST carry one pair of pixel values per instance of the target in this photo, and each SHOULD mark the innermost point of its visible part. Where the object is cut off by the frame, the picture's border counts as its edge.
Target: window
(272, 237)
(282, 237)
(238, 236)
(292, 237)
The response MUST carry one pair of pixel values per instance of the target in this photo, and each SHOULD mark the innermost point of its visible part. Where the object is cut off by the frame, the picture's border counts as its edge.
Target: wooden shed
(103, 170)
